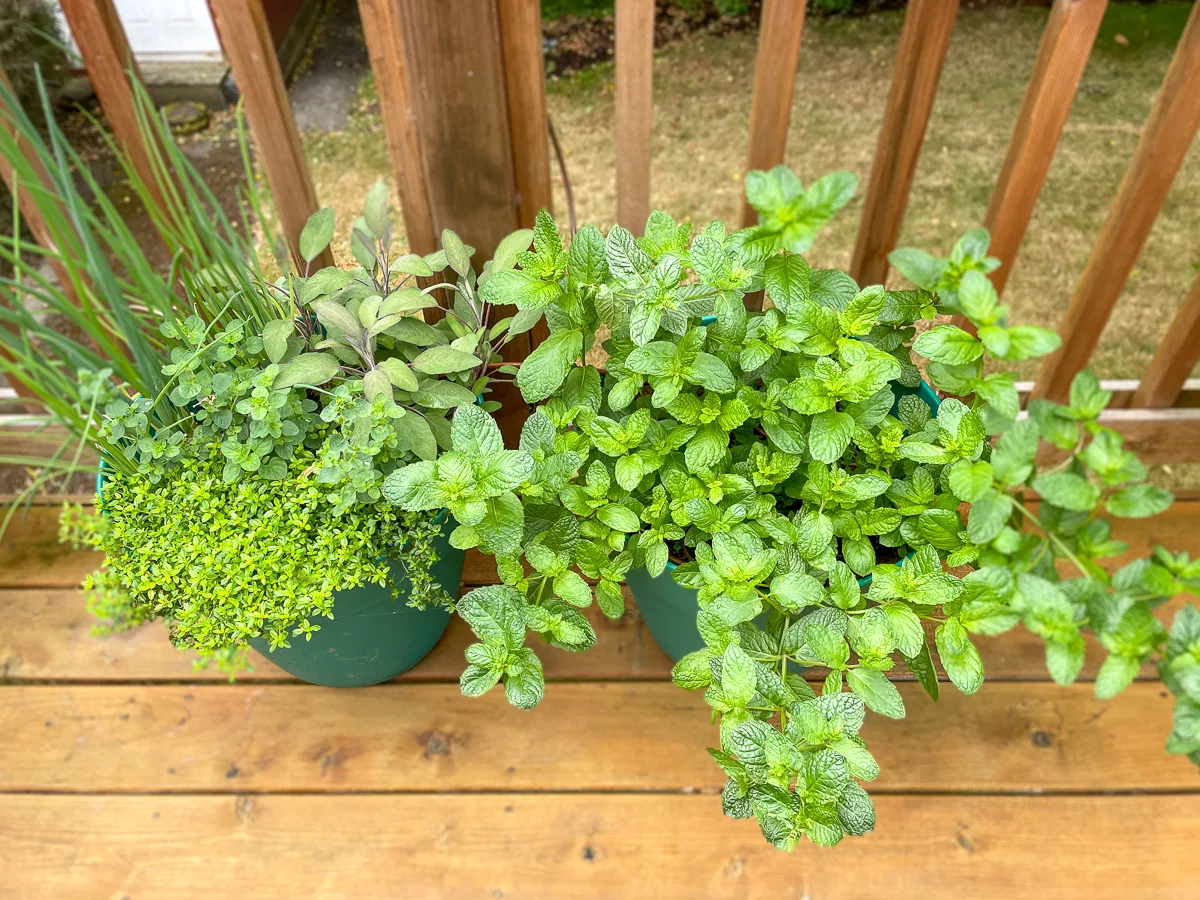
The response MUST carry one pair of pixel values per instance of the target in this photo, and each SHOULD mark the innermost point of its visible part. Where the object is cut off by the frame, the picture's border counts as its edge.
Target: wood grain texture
(1175, 358)
(382, 28)
(246, 40)
(779, 37)
(582, 737)
(462, 126)
(620, 846)
(525, 86)
(1165, 140)
(1062, 56)
(635, 110)
(462, 118)
(1158, 436)
(31, 557)
(525, 82)
(923, 44)
(48, 637)
(105, 52)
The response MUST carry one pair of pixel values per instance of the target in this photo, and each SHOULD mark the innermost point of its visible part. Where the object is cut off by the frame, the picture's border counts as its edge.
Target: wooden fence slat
(1062, 56)
(1124, 389)
(525, 81)
(1157, 436)
(423, 737)
(923, 44)
(525, 87)
(382, 27)
(1175, 358)
(779, 37)
(637, 846)
(1165, 140)
(246, 39)
(105, 52)
(635, 110)
(462, 126)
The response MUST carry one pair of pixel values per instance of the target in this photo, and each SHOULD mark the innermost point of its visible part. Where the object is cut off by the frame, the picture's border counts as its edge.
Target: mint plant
(781, 464)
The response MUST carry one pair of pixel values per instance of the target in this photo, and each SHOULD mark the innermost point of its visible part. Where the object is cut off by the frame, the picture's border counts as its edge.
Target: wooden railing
(462, 95)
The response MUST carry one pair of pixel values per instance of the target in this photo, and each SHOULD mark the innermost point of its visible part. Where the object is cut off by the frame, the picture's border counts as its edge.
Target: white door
(169, 30)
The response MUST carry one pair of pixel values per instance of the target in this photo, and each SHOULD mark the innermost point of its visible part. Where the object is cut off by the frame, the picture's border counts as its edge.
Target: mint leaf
(1139, 501)
(948, 344)
(1116, 673)
(547, 366)
(1067, 490)
(959, 656)
(829, 435)
(877, 692)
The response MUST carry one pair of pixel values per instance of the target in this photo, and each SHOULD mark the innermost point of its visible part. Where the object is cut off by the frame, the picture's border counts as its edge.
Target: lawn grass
(701, 114)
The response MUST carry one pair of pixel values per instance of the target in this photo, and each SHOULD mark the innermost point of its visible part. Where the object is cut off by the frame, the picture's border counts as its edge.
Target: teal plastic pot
(371, 638)
(669, 609)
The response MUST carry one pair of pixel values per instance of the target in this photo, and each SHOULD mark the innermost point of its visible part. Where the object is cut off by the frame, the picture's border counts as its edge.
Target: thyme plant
(780, 464)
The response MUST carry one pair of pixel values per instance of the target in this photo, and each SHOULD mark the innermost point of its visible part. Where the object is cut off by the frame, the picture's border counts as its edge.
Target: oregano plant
(835, 524)
(285, 417)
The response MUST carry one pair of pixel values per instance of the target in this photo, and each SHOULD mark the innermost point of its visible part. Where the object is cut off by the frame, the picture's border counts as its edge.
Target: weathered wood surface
(31, 557)
(1062, 56)
(1165, 140)
(923, 44)
(583, 737)
(635, 110)
(626, 846)
(774, 87)
(383, 30)
(525, 84)
(125, 774)
(250, 49)
(105, 52)
(48, 637)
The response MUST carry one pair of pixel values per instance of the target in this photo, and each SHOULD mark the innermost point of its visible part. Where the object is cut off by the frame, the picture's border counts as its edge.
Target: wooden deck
(125, 774)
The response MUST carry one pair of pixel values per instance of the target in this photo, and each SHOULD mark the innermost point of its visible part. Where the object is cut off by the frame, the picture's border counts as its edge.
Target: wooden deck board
(30, 555)
(582, 737)
(124, 773)
(618, 846)
(48, 637)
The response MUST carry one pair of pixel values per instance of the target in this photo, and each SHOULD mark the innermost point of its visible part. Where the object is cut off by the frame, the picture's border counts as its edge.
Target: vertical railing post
(1165, 140)
(923, 44)
(775, 65)
(246, 39)
(1175, 358)
(1062, 56)
(635, 110)
(110, 66)
(382, 28)
(525, 84)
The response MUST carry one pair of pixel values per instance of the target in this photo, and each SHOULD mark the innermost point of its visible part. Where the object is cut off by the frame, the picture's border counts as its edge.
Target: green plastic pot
(371, 638)
(669, 609)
